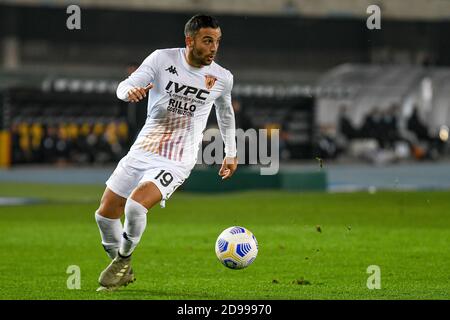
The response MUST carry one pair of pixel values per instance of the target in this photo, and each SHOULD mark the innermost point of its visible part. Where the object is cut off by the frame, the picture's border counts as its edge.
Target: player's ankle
(123, 256)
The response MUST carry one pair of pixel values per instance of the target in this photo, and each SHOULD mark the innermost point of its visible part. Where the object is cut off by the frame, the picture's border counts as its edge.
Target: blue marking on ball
(237, 230)
(223, 245)
(230, 263)
(243, 248)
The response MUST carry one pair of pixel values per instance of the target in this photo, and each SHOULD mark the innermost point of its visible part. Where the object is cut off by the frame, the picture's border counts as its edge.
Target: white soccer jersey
(179, 105)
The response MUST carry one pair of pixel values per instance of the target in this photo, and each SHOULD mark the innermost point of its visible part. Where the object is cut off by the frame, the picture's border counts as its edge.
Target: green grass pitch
(311, 245)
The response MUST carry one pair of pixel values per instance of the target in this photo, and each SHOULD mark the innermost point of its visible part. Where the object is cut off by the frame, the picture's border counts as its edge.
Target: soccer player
(184, 83)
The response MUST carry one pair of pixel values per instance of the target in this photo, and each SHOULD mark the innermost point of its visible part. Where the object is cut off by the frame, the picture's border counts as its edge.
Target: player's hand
(229, 166)
(138, 93)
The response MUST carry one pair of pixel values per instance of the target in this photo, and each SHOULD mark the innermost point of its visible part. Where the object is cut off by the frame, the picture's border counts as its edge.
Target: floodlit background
(360, 110)
(336, 89)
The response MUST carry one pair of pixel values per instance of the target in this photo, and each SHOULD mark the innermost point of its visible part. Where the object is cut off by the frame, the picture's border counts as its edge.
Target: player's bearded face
(205, 45)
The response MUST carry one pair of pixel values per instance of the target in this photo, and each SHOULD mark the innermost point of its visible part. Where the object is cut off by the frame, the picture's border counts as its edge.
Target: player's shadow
(148, 294)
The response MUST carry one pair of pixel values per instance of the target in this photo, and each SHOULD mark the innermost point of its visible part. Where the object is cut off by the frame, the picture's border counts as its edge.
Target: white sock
(111, 232)
(135, 223)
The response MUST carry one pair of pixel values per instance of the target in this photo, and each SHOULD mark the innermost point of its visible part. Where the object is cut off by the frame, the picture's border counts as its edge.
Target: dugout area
(80, 122)
(67, 121)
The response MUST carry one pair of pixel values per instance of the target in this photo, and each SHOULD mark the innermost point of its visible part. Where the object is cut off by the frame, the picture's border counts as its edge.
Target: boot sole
(114, 288)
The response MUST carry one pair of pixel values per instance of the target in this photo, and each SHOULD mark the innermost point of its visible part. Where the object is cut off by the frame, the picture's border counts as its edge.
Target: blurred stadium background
(358, 110)
(336, 90)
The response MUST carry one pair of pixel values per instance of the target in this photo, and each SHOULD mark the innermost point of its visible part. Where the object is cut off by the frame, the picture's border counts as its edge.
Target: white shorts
(166, 174)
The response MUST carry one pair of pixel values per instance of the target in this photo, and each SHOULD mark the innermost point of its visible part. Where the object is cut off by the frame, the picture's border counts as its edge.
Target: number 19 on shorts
(164, 177)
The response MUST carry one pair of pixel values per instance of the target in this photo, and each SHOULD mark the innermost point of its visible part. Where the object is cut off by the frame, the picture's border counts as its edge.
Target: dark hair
(199, 21)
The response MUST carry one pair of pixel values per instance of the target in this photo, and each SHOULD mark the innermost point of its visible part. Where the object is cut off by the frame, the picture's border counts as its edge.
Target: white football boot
(119, 273)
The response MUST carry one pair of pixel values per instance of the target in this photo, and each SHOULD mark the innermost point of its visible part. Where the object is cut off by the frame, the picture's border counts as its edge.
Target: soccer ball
(236, 247)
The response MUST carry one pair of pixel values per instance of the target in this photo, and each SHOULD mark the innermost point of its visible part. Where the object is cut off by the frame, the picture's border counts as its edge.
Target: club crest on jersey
(210, 81)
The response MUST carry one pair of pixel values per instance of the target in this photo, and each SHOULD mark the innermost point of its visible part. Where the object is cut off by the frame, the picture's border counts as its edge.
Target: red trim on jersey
(166, 136)
(170, 146)
(181, 146)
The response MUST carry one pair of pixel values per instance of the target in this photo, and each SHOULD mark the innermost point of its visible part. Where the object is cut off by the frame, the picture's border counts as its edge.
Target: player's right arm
(136, 94)
(135, 87)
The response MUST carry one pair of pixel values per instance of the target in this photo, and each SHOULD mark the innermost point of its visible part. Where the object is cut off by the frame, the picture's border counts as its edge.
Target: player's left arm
(227, 126)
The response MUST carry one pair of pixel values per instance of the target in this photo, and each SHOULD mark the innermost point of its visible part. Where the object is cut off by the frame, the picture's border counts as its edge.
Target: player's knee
(111, 205)
(147, 194)
(110, 209)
